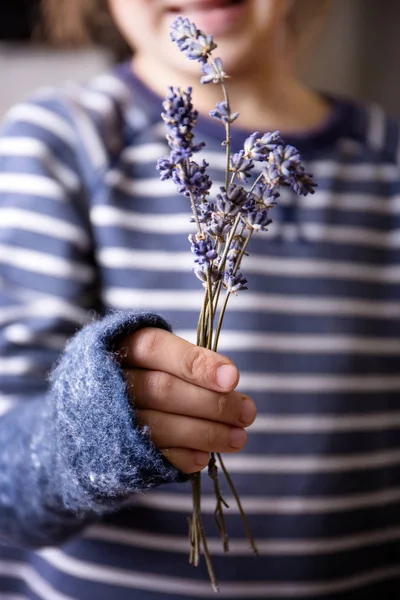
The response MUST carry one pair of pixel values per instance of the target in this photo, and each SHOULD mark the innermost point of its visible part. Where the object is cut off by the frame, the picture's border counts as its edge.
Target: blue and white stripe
(85, 225)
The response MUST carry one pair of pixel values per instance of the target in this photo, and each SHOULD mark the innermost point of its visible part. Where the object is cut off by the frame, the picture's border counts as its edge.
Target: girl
(86, 226)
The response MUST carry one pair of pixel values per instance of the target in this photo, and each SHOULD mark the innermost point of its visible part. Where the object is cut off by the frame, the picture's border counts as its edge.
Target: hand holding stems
(185, 395)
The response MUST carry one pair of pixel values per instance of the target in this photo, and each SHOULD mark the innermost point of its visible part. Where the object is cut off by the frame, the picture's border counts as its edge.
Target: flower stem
(219, 516)
(242, 253)
(194, 210)
(220, 321)
(194, 558)
(201, 326)
(227, 136)
(210, 308)
(231, 235)
(239, 504)
(197, 534)
(253, 187)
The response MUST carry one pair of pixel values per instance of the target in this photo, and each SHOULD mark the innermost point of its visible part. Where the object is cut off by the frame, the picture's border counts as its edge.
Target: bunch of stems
(208, 333)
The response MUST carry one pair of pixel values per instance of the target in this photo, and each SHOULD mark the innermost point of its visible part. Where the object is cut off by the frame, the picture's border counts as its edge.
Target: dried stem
(231, 235)
(194, 558)
(242, 252)
(219, 516)
(228, 136)
(195, 214)
(210, 309)
(239, 504)
(197, 534)
(220, 321)
(201, 327)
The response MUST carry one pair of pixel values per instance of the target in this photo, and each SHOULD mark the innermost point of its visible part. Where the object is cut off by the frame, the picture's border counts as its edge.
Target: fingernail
(227, 376)
(248, 412)
(201, 458)
(238, 437)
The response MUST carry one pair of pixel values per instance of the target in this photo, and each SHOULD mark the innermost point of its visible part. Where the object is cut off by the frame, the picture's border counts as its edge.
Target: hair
(81, 22)
(74, 23)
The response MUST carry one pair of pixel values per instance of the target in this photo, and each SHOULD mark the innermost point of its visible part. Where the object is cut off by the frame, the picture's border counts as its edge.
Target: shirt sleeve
(70, 450)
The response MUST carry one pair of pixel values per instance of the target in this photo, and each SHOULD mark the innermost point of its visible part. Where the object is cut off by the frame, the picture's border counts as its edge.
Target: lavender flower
(192, 179)
(166, 167)
(302, 183)
(192, 41)
(255, 218)
(218, 226)
(222, 113)
(226, 222)
(229, 201)
(285, 168)
(234, 282)
(180, 118)
(213, 72)
(288, 159)
(241, 166)
(258, 147)
(204, 250)
(265, 194)
(206, 274)
(235, 249)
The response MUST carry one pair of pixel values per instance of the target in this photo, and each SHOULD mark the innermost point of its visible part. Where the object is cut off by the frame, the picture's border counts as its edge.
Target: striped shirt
(86, 225)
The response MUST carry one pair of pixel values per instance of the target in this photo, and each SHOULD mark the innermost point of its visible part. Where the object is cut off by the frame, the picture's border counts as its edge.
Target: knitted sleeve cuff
(102, 456)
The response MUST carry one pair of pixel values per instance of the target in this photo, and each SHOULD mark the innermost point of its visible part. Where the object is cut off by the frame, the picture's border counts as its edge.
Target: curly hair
(81, 22)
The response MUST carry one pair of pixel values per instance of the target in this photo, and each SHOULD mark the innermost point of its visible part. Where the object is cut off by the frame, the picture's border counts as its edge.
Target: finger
(176, 431)
(160, 350)
(161, 391)
(187, 461)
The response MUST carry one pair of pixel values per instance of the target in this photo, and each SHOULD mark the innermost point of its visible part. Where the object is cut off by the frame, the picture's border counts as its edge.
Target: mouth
(219, 17)
(203, 5)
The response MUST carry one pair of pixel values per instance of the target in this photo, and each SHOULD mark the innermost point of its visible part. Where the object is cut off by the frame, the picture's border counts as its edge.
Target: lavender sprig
(225, 223)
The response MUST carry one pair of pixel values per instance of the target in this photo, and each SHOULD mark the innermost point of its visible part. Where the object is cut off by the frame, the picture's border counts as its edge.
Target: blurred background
(357, 53)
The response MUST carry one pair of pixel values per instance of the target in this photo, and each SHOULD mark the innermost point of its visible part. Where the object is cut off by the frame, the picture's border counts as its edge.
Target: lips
(202, 5)
(218, 17)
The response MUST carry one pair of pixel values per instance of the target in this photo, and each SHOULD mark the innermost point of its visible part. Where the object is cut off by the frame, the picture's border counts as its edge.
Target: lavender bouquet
(224, 223)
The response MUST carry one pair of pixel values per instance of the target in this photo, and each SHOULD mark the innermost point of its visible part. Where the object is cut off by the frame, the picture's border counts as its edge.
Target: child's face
(246, 31)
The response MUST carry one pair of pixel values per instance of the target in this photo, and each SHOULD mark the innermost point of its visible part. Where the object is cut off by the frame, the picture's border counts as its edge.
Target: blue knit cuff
(102, 455)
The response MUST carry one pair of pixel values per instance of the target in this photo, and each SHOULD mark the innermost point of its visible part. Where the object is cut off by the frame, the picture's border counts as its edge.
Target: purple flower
(288, 159)
(235, 253)
(180, 118)
(204, 211)
(217, 226)
(229, 201)
(285, 168)
(241, 166)
(192, 41)
(203, 271)
(203, 249)
(254, 217)
(182, 29)
(272, 176)
(235, 249)
(192, 178)
(214, 72)
(265, 194)
(166, 167)
(234, 283)
(258, 146)
(222, 113)
(302, 183)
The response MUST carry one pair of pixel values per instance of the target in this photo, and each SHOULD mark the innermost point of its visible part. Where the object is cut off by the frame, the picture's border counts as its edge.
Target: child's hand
(184, 394)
